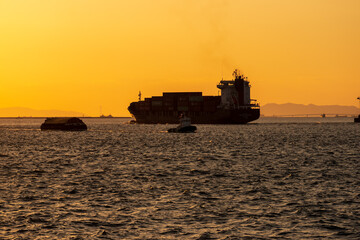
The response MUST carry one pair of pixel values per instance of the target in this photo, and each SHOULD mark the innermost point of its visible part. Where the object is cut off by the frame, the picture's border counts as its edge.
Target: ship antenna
(139, 95)
(235, 73)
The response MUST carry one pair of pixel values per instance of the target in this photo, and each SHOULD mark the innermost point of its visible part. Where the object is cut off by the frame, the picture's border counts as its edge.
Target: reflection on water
(275, 178)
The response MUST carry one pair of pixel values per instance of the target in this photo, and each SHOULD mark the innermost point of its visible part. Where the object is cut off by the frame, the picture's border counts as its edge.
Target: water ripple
(296, 180)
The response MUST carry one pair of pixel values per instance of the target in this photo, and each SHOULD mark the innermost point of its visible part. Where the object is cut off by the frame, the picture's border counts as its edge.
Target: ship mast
(236, 73)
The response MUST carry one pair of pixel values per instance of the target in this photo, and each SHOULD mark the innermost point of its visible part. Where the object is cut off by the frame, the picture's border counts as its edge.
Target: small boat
(64, 124)
(108, 116)
(184, 127)
(357, 119)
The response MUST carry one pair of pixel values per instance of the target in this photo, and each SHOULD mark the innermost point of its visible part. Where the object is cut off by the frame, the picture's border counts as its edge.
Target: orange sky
(78, 55)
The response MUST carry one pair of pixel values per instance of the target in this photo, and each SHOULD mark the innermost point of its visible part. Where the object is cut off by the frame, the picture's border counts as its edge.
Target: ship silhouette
(233, 106)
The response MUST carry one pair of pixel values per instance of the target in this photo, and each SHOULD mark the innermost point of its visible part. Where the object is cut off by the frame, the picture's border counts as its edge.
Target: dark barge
(357, 119)
(64, 124)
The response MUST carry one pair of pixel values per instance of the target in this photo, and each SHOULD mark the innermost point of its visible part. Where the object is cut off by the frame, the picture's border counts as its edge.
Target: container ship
(233, 106)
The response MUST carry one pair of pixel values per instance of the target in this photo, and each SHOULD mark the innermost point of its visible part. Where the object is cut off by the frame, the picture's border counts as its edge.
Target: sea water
(275, 178)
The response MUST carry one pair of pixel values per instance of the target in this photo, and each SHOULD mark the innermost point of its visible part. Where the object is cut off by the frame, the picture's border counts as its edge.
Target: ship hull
(220, 116)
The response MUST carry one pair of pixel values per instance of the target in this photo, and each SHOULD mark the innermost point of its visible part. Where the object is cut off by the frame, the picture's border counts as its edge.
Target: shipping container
(157, 98)
(145, 108)
(179, 94)
(183, 99)
(196, 98)
(196, 103)
(169, 108)
(209, 108)
(183, 108)
(156, 108)
(196, 108)
(168, 103)
(183, 104)
(156, 103)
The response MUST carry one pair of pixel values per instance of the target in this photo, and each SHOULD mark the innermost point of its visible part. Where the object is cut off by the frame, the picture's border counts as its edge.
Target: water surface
(276, 178)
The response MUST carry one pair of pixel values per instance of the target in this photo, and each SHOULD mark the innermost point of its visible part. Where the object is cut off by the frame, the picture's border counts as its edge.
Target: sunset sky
(78, 55)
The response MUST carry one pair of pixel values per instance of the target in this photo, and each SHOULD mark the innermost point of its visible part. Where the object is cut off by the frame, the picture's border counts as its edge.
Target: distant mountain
(28, 112)
(272, 109)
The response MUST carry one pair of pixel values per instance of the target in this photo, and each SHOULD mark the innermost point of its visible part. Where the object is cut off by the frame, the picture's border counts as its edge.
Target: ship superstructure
(235, 94)
(234, 106)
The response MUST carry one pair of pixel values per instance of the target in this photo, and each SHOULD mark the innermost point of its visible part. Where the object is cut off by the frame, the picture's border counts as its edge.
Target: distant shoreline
(59, 117)
(340, 116)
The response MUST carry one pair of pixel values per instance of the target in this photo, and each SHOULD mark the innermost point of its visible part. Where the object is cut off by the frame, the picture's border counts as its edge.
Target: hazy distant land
(268, 110)
(289, 109)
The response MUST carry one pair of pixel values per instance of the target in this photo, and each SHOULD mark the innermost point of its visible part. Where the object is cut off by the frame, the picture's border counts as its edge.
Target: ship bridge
(235, 93)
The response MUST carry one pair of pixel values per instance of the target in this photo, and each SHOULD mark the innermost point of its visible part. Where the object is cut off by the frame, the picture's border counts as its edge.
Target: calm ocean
(276, 178)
